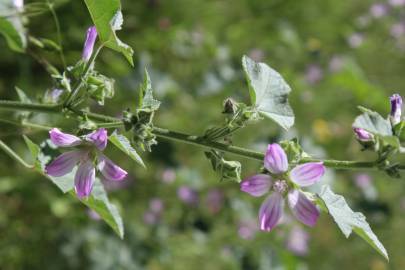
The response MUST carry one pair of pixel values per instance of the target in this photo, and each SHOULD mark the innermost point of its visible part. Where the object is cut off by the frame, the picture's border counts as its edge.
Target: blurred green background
(177, 214)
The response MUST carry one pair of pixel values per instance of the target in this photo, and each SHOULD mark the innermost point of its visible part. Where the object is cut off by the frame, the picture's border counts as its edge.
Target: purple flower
(396, 109)
(378, 10)
(397, 30)
(355, 40)
(187, 195)
(86, 156)
(396, 3)
(284, 183)
(362, 135)
(91, 36)
(215, 200)
(313, 74)
(336, 64)
(297, 241)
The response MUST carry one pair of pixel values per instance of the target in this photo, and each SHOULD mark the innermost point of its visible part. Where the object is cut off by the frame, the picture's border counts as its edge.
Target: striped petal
(271, 211)
(63, 139)
(64, 163)
(302, 208)
(307, 174)
(84, 179)
(275, 159)
(110, 170)
(99, 138)
(256, 185)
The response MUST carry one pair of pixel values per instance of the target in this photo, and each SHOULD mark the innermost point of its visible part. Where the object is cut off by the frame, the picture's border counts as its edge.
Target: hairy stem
(113, 122)
(14, 155)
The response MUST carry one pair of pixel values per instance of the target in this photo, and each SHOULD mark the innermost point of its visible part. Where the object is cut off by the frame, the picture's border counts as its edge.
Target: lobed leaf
(349, 221)
(122, 143)
(268, 92)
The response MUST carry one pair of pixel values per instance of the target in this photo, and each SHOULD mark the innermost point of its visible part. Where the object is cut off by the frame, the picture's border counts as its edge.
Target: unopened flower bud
(363, 135)
(396, 109)
(89, 43)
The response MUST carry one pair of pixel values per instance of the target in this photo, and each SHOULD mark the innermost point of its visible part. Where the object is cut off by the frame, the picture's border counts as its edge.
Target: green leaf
(107, 17)
(146, 100)
(15, 38)
(268, 92)
(35, 150)
(349, 221)
(122, 143)
(97, 201)
(374, 123)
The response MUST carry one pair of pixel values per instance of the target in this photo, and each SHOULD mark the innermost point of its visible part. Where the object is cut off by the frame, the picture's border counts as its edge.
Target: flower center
(280, 186)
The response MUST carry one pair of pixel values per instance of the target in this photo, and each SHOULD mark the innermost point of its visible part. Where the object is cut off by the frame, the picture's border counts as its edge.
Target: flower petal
(110, 170)
(302, 208)
(271, 211)
(307, 174)
(64, 163)
(275, 159)
(84, 179)
(99, 138)
(91, 36)
(256, 185)
(63, 139)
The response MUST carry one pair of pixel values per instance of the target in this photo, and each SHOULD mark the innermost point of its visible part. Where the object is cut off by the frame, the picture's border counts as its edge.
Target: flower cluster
(87, 155)
(284, 182)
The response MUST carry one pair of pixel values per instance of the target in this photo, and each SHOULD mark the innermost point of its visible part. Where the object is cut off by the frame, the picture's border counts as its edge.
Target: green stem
(14, 155)
(58, 32)
(25, 124)
(113, 122)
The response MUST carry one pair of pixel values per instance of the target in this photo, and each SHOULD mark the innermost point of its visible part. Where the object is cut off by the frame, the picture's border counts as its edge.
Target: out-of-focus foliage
(335, 55)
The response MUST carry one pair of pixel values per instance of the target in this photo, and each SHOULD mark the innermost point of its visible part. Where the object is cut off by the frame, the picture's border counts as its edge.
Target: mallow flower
(87, 155)
(91, 37)
(396, 109)
(284, 181)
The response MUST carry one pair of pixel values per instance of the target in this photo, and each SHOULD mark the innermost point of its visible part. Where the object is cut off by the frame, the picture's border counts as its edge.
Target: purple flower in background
(396, 109)
(397, 30)
(336, 64)
(85, 156)
(247, 229)
(396, 3)
(297, 241)
(355, 40)
(215, 200)
(313, 74)
(187, 195)
(156, 205)
(153, 214)
(362, 135)
(91, 36)
(168, 175)
(378, 10)
(284, 182)
(363, 180)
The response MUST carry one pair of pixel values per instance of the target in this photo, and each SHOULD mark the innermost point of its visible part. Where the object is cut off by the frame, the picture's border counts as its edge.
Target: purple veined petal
(271, 211)
(64, 163)
(275, 159)
(110, 170)
(396, 108)
(256, 185)
(63, 139)
(91, 36)
(84, 179)
(99, 138)
(307, 174)
(302, 208)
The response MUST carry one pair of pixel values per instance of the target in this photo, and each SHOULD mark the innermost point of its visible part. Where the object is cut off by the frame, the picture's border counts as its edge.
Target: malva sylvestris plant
(287, 171)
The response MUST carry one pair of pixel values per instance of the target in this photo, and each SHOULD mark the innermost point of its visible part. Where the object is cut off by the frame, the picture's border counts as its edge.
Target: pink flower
(284, 183)
(86, 156)
(297, 241)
